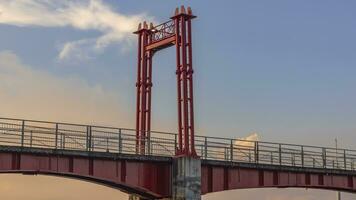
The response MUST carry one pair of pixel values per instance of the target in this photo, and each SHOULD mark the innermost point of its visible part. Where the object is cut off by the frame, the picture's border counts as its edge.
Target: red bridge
(108, 156)
(154, 165)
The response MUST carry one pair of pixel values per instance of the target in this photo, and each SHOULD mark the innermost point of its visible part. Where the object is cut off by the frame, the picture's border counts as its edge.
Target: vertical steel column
(138, 88)
(144, 83)
(190, 82)
(143, 92)
(179, 80)
(149, 97)
(185, 82)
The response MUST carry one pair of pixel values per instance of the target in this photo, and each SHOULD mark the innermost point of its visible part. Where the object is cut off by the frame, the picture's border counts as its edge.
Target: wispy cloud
(29, 93)
(84, 15)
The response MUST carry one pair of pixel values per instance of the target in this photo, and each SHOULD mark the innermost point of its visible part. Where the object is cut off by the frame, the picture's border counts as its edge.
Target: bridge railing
(258, 152)
(42, 134)
(51, 135)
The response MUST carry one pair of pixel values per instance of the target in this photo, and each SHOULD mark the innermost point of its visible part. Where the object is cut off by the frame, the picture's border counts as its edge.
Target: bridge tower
(176, 32)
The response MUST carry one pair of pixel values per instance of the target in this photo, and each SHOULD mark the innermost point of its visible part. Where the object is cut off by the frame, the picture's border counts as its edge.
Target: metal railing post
(31, 138)
(201, 150)
(226, 154)
(302, 155)
(64, 141)
(345, 166)
(23, 133)
(61, 141)
(148, 136)
(256, 152)
(87, 139)
(56, 139)
(231, 149)
(324, 157)
(249, 156)
(280, 153)
(313, 162)
(120, 141)
(107, 144)
(205, 147)
(92, 145)
(175, 144)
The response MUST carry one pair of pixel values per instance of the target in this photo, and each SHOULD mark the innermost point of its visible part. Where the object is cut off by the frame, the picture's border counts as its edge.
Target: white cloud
(85, 15)
(78, 50)
(29, 93)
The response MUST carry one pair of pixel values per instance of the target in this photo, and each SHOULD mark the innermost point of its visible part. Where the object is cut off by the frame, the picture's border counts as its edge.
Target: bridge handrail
(171, 133)
(45, 134)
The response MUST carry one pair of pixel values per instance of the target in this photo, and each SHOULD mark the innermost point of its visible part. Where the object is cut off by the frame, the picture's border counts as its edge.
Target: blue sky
(283, 69)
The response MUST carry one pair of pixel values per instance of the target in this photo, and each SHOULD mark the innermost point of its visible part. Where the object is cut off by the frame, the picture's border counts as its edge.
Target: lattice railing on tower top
(162, 31)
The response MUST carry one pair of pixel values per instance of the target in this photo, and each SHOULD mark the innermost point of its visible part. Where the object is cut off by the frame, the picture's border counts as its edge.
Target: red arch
(129, 189)
(148, 177)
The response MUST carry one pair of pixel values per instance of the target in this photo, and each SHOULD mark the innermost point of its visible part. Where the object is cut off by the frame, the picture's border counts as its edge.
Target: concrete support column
(186, 178)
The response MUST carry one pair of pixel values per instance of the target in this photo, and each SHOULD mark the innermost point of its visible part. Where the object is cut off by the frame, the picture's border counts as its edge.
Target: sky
(283, 69)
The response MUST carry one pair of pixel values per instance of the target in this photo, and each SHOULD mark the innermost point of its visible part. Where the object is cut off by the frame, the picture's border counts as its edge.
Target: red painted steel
(149, 178)
(222, 178)
(152, 179)
(144, 84)
(150, 41)
(178, 73)
(138, 94)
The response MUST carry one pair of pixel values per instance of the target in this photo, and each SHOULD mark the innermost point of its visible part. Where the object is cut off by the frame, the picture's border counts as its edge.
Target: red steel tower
(175, 32)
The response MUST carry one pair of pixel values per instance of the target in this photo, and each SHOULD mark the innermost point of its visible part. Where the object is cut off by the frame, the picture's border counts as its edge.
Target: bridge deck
(164, 159)
(104, 141)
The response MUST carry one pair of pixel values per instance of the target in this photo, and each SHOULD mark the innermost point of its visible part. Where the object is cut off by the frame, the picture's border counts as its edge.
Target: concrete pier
(186, 178)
